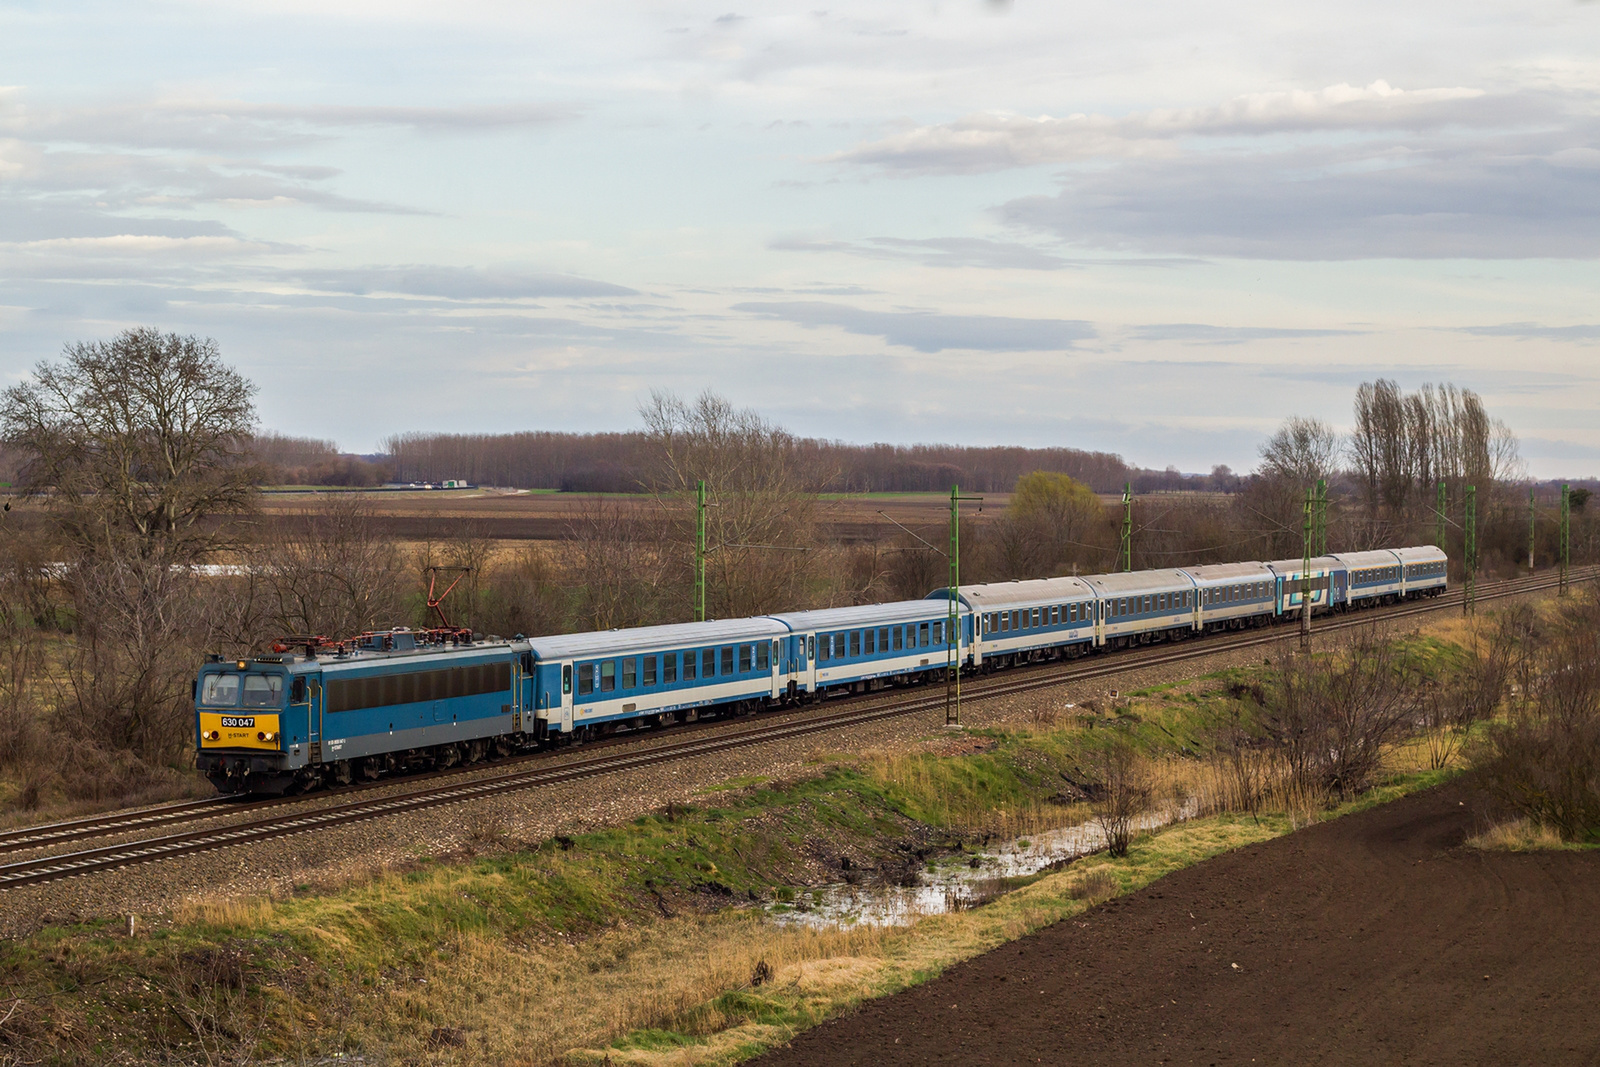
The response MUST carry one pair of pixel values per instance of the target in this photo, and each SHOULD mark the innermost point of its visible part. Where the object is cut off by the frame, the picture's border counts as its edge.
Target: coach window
(708, 663)
(869, 641)
(608, 675)
(648, 673)
(938, 633)
(895, 633)
(669, 668)
(883, 640)
(763, 657)
(1005, 621)
(727, 660)
(855, 642)
(824, 648)
(688, 666)
(922, 635)
(630, 673)
(585, 679)
(747, 657)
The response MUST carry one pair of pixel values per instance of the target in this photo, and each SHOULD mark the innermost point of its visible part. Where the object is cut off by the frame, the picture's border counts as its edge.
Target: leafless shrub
(1122, 792)
(1243, 759)
(1544, 762)
(1332, 716)
(1471, 694)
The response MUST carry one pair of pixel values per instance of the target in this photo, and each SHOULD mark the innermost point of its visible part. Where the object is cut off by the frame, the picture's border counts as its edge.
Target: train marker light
(243, 665)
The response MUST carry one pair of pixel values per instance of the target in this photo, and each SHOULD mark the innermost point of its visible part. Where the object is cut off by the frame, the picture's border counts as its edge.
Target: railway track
(522, 776)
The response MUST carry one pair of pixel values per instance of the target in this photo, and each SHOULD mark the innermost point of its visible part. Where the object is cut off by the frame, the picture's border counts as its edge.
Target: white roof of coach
(1225, 573)
(645, 638)
(1127, 583)
(996, 595)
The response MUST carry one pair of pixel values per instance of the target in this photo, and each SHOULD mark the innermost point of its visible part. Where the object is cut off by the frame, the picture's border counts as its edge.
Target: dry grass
(1519, 835)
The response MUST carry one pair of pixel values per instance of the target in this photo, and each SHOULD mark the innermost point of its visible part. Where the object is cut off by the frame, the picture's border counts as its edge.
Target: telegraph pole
(1305, 572)
(700, 551)
(1469, 584)
(1566, 534)
(1127, 526)
(952, 631)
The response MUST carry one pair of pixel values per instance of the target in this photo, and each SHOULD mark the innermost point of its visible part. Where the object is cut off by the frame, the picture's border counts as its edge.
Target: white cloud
(998, 140)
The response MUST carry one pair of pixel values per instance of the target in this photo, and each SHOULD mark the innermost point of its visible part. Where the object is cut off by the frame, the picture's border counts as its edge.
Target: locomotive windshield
(256, 691)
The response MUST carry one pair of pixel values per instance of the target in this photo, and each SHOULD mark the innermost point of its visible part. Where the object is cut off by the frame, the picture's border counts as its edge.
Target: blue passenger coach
(856, 649)
(1028, 620)
(1234, 595)
(1326, 587)
(654, 674)
(1137, 607)
(1375, 577)
(1423, 569)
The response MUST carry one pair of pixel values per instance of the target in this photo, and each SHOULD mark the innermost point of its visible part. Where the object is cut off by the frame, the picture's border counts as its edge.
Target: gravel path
(335, 856)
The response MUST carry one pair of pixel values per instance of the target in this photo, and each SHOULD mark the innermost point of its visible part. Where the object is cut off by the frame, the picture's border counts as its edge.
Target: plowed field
(1372, 939)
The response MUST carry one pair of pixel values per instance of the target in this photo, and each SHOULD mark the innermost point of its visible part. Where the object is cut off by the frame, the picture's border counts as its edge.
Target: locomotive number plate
(238, 722)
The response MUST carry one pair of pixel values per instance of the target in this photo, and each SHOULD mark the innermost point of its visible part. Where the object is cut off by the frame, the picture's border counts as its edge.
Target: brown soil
(1373, 939)
(417, 516)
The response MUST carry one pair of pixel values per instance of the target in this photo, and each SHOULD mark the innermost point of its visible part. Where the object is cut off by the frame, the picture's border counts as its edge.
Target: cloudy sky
(1149, 228)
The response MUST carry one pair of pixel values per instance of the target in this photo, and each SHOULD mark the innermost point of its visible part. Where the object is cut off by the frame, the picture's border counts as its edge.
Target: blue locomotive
(320, 713)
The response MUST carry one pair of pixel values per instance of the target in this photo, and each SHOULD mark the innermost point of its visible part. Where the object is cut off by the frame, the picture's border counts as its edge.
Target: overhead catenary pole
(1438, 519)
(1127, 526)
(952, 627)
(1566, 535)
(700, 551)
(1321, 545)
(1469, 554)
(1307, 534)
(1531, 519)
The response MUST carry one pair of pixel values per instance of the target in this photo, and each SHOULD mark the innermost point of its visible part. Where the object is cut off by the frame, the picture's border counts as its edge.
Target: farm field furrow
(1375, 938)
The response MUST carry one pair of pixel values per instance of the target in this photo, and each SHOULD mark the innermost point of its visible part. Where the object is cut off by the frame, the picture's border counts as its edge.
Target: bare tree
(1302, 451)
(139, 440)
(332, 573)
(619, 572)
(764, 492)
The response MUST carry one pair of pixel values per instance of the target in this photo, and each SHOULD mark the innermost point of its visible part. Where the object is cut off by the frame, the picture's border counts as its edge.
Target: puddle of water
(954, 884)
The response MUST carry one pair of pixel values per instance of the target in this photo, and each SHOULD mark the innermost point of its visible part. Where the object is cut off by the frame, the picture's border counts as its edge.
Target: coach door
(566, 698)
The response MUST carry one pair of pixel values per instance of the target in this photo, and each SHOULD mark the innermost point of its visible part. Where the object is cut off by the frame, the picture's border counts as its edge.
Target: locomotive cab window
(263, 690)
(297, 691)
(221, 690)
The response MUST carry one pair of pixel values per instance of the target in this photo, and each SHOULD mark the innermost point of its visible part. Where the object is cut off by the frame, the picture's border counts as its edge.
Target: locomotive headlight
(213, 735)
(263, 735)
